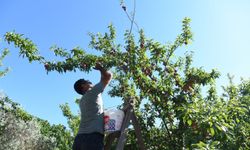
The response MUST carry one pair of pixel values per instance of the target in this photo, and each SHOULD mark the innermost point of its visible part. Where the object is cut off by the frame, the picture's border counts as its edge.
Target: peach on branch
(46, 66)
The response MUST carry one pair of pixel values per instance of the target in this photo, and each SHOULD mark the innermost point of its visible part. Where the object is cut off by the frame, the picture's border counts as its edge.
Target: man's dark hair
(77, 85)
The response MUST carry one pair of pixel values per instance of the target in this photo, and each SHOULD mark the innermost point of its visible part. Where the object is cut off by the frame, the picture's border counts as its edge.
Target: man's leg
(93, 141)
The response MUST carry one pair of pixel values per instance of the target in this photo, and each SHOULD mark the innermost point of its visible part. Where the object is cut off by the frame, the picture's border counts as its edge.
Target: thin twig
(133, 18)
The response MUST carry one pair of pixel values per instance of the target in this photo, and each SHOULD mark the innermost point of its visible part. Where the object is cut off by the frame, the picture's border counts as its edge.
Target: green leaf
(212, 131)
(189, 122)
(218, 127)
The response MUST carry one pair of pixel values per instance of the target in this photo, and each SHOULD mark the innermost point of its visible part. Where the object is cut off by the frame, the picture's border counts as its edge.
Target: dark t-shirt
(91, 106)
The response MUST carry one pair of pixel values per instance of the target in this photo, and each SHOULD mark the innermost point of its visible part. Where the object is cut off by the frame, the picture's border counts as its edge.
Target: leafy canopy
(166, 90)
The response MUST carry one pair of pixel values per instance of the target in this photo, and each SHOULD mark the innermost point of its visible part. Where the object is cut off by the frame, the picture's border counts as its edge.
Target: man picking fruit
(91, 130)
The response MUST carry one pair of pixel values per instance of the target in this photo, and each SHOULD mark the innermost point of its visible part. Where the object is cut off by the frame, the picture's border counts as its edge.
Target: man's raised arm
(106, 76)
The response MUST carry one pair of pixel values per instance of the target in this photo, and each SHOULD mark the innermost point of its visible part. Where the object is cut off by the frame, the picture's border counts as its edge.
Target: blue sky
(221, 40)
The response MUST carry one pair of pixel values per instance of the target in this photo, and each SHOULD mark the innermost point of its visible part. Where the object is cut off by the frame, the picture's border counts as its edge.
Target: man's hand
(98, 66)
(105, 75)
